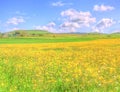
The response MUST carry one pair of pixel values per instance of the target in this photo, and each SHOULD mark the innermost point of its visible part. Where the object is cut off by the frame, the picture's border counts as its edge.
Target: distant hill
(44, 33)
(25, 33)
(116, 33)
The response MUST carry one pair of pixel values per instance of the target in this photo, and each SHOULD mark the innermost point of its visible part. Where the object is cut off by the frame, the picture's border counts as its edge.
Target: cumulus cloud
(15, 20)
(15, 28)
(103, 8)
(116, 31)
(51, 24)
(49, 27)
(76, 19)
(59, 3)
(102, 24)
(69, 26)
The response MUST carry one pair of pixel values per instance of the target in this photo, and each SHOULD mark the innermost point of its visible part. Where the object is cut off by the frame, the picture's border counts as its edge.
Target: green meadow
(36, 36)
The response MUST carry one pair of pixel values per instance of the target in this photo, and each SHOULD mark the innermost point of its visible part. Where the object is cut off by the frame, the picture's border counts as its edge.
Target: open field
(92, 66)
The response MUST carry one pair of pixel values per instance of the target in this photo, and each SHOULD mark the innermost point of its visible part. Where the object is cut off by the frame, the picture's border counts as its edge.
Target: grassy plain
(55, 38)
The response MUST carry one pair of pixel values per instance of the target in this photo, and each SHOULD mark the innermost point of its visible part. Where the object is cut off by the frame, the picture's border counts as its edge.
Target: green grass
(41, 40)
(53, 38)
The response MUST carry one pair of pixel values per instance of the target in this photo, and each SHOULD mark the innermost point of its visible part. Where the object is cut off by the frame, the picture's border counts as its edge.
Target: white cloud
(103, 23)
(76, 19)
(51, 24)
(59, 3)
(71, 26)
(15, 28)
(49, 27)
(116, 31)
(102, 8)
(15, 20)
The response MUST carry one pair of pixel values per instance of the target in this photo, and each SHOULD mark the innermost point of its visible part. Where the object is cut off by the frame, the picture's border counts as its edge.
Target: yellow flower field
(92, 66)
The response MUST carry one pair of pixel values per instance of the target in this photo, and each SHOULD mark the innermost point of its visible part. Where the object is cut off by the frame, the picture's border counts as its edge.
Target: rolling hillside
(41, 36)
(25, 33)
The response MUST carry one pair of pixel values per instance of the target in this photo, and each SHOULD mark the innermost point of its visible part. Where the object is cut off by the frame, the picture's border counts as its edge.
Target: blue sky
(60, 15)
